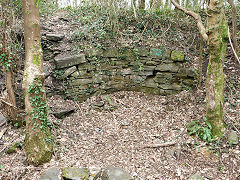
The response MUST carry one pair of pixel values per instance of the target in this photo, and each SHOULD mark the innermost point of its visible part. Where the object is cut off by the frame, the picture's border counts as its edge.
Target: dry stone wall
(154, 71)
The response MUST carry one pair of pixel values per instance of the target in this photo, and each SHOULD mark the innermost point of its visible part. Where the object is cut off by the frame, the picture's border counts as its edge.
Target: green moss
(215, 119)
(38, 150)
(218, 47)
(76, 173)
(36, 2)
(177, 55)
(224, 30)
(36, 60)
(13, 148)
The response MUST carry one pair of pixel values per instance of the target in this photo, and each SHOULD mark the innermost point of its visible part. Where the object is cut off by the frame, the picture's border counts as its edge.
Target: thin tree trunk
(38, 140)
(217, 41)
(150, 4)
(166, 4)
(187, 4)
(9, 108)
(234, 26)
(200, 62)
(142, 4)
(134, 8)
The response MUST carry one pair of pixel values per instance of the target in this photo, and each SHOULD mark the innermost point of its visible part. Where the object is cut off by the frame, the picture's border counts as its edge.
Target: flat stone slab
(63, 113)
(54, 37)
(51, 174)
(167, 68)
(76, 173)
(113, 173)
(196, 177)
(69, 61)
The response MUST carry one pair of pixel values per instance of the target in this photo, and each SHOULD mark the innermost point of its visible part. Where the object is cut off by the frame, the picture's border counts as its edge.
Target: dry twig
(2, 132)
(160, 145)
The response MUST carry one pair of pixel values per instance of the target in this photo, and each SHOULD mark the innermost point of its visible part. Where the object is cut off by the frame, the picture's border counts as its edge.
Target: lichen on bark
(38, 149)
(217, 41)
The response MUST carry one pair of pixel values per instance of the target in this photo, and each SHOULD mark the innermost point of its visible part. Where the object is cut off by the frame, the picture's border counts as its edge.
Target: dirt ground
(126, 138)
(145, 135)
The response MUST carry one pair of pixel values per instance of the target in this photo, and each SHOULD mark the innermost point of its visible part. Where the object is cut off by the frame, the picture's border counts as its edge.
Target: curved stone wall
(154, 71)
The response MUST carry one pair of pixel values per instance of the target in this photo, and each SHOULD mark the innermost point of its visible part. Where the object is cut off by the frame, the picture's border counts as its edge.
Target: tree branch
(196, 16)
(160, 145)
(234, 52)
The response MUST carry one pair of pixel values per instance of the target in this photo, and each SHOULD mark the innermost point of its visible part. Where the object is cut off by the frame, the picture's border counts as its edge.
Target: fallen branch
(196, 16)
(9, 104)
(2, 132)
(160, 145)
(233, 123)
(234, 52)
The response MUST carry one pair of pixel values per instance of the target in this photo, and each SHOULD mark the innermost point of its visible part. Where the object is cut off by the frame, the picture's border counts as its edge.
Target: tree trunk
(142, 4)
(166, 4)
(217, 41)
(234, 27)
(150, 4)
(38, 141)
(200, 62)
(187, 4)
(9, 99)
(217, 38)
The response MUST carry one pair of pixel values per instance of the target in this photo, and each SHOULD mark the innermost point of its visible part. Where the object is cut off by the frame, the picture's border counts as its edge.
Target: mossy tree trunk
(217, 41)
(217, 38)
(38, 143)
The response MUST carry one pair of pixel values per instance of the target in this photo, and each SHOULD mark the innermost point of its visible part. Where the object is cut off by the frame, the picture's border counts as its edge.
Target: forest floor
(126, 138)
(145, 135)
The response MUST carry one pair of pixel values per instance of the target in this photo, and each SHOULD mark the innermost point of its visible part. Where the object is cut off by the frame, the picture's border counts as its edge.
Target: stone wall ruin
(154, 71)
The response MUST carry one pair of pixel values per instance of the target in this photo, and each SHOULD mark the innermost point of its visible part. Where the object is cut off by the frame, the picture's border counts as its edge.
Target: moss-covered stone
(113, 173)
(233, 138)
(76, 173)
(173, 86)
(157, 53)
(50, 174)
(69, 61)
(167, 67)
(117, 69)
(80, 82)
(14, 147)
(150, 83)
(177, 55)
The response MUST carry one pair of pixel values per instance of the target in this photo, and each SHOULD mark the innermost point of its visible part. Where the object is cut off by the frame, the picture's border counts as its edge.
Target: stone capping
(69, 61)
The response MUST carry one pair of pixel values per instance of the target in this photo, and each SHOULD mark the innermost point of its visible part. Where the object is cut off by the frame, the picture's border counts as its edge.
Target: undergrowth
(162, 27)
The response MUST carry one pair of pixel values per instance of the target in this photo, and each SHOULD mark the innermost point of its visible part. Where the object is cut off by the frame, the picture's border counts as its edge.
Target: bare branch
(234, 52)
(9, 104)
(160, 145)
(196, 16)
